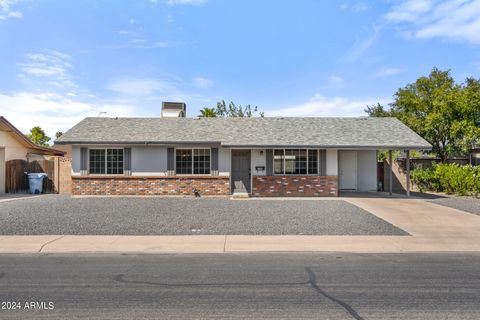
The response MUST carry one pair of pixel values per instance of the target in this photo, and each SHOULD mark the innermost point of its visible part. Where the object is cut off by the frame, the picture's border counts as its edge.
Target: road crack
(312, 281)
(48, 242)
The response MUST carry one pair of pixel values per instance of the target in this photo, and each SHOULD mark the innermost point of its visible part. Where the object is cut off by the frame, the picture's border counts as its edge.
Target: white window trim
(192, 174)
(295, 174)
(105, 173)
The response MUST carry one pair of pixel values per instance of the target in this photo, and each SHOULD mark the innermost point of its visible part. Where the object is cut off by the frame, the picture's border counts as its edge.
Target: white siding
(152, 160)
(149, 160)
(332, 162)
(259, 160)
(75, 160)
(224, 162)
(366, 170)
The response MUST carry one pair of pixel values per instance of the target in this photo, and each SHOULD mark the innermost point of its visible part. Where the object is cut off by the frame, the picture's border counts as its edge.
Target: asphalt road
(231, 286)
(58, 214)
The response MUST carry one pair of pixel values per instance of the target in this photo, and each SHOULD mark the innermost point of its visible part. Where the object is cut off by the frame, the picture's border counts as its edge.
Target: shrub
(425, 179)
(450, 178)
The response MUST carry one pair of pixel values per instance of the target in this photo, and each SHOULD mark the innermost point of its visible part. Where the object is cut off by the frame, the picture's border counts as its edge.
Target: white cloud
(335, 80)
(202, 83)
(388, 71)
(320, 106)
(357, 7)
(410, 10)
(194, 2)
(362, 45)
(6, 11)
(53, 112)
(145, 44)
(360, 6)
(52, 66)
(137, 38)
(166, 88)
(142, 87)
(447, 19)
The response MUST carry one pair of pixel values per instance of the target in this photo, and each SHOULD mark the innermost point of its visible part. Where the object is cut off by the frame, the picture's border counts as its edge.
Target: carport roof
(362, 132)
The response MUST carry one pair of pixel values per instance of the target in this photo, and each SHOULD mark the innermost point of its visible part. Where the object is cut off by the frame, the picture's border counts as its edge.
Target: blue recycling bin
(35, 182)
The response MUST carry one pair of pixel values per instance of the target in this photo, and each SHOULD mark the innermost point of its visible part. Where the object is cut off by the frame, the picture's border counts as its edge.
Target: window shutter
(214, 162)
(269, 160)
(83, 161)
(170, 161)
(127, 161)
(322, 162)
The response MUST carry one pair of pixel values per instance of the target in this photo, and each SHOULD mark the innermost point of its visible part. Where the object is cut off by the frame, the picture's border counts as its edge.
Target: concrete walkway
(433, 228)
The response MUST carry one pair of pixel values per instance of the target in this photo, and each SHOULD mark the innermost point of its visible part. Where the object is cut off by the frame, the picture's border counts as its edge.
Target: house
(262, 157)
(15, 146)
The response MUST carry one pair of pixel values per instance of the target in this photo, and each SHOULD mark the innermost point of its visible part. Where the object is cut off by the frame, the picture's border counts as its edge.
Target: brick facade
(295, 186)
(131, 185)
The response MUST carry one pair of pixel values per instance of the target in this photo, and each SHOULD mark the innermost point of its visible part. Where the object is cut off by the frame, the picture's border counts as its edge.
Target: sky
(61, 61)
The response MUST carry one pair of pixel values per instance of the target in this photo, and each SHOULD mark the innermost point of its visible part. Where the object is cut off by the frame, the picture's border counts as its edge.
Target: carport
(357, 169)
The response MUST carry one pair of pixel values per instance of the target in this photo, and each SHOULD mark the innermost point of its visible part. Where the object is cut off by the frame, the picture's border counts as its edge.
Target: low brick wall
(132, 185)
(295, 186)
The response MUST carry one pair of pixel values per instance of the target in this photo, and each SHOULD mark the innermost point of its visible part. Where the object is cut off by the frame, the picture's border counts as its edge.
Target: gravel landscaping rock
(57, 214)
(467, 204)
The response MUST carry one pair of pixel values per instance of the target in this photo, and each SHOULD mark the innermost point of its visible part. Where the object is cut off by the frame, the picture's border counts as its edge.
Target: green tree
(234, 111)
(58, 134)
(38, 136)
(208, 113)
(444, 113)
(377, 111)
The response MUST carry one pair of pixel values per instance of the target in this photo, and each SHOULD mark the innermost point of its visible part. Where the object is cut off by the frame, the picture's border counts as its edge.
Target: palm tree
(208, 113)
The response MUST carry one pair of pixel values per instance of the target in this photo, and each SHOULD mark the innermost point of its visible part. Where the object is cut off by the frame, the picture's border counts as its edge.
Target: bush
(450, 178)
(425, 179)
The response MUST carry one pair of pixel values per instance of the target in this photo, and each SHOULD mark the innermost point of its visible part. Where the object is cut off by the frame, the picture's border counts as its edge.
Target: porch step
(240, 195)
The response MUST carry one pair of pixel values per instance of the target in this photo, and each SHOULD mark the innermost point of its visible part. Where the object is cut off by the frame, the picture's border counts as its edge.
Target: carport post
(390, 174)
(408, 173)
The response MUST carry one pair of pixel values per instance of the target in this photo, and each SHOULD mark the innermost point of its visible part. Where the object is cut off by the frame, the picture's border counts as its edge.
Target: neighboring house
(218, 156)
(15, 146)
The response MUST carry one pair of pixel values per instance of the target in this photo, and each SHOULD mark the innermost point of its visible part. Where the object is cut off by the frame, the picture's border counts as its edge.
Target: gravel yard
(467, 204)
(57, 214)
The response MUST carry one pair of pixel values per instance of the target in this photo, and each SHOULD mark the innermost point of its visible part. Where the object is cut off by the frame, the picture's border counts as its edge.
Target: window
(184, 161)
(201, 161)
(114, 161)
(192, 161)
(106, 161)
(278, 161)
(97, 161)
(295, 161)
(312, 161)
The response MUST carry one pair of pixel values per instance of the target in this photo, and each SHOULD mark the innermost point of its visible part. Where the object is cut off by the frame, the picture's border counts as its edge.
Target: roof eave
(357, 147)
(26, 141)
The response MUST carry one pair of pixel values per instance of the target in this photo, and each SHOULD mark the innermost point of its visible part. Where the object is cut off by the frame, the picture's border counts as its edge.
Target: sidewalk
(432, 228)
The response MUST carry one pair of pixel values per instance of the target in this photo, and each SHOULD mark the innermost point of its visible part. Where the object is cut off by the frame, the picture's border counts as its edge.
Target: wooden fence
(17, 181)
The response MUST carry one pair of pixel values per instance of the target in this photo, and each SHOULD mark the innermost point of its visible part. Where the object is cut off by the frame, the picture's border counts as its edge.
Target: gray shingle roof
(237, 132)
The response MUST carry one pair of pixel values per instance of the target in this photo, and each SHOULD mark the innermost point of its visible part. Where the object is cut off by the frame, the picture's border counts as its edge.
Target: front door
(240, 181)
(348, 170)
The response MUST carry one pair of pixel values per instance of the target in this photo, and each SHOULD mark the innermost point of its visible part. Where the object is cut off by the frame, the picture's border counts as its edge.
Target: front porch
(307, 172)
